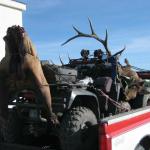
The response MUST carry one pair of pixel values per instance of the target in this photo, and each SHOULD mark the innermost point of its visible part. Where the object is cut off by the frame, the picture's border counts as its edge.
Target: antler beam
(93, 35)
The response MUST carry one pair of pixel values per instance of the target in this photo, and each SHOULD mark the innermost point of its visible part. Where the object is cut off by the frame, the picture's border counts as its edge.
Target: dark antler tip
(89, 19)
(74, 27)
(63, 44)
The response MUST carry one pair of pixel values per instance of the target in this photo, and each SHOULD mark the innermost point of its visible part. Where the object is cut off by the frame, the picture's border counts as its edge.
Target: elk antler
(92, 35)
(119, 52)
(69, 58)
(61, 60)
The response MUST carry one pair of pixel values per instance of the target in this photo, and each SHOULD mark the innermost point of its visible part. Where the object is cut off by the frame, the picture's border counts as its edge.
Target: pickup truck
(130, 130)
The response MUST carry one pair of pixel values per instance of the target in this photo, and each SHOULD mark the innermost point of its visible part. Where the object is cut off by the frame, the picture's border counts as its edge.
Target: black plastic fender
(82, 97)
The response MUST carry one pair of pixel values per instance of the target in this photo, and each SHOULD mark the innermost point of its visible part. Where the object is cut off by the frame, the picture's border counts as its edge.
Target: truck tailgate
(125, 130)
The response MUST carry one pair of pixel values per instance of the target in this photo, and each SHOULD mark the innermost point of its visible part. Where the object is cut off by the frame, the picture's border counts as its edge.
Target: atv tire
(78, 130)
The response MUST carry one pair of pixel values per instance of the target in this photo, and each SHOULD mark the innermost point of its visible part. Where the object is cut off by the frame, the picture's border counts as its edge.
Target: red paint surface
(144, 75)
(107, 132)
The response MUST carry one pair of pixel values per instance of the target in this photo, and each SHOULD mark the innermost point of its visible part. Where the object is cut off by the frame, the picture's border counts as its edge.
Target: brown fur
(136, 84)
(21, 57)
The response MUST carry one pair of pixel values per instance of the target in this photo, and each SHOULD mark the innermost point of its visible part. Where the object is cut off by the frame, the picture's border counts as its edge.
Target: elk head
(133, 89)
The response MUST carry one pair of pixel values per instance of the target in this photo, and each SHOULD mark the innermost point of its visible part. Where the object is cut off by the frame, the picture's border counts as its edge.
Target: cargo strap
(118, 105)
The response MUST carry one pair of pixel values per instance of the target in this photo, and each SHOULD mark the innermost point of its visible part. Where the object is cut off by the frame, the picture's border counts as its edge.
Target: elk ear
(127, 62)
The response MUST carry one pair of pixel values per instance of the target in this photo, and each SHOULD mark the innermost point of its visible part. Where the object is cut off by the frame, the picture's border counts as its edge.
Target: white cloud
(138, 52)
(141, 44)
(50, 51)
(47, 45)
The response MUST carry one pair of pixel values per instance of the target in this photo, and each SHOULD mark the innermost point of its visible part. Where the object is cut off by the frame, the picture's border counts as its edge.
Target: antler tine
(91, 27)
(77, 30)
(92, 35)
(80, 34)
(69, 57)
(69, 40)
(120, 52)
(61, 60)
(105, 43)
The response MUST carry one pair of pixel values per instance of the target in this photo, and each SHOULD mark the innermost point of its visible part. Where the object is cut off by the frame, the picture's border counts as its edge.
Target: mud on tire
(78, 130)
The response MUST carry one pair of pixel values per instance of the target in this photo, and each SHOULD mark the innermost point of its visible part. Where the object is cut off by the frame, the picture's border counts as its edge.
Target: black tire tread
(71, 127)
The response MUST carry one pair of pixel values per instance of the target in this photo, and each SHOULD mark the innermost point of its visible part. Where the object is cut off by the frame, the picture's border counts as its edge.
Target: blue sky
(49, 24)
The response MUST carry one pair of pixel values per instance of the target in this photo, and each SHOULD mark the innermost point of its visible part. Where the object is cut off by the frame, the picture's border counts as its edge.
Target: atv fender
(81, 97)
